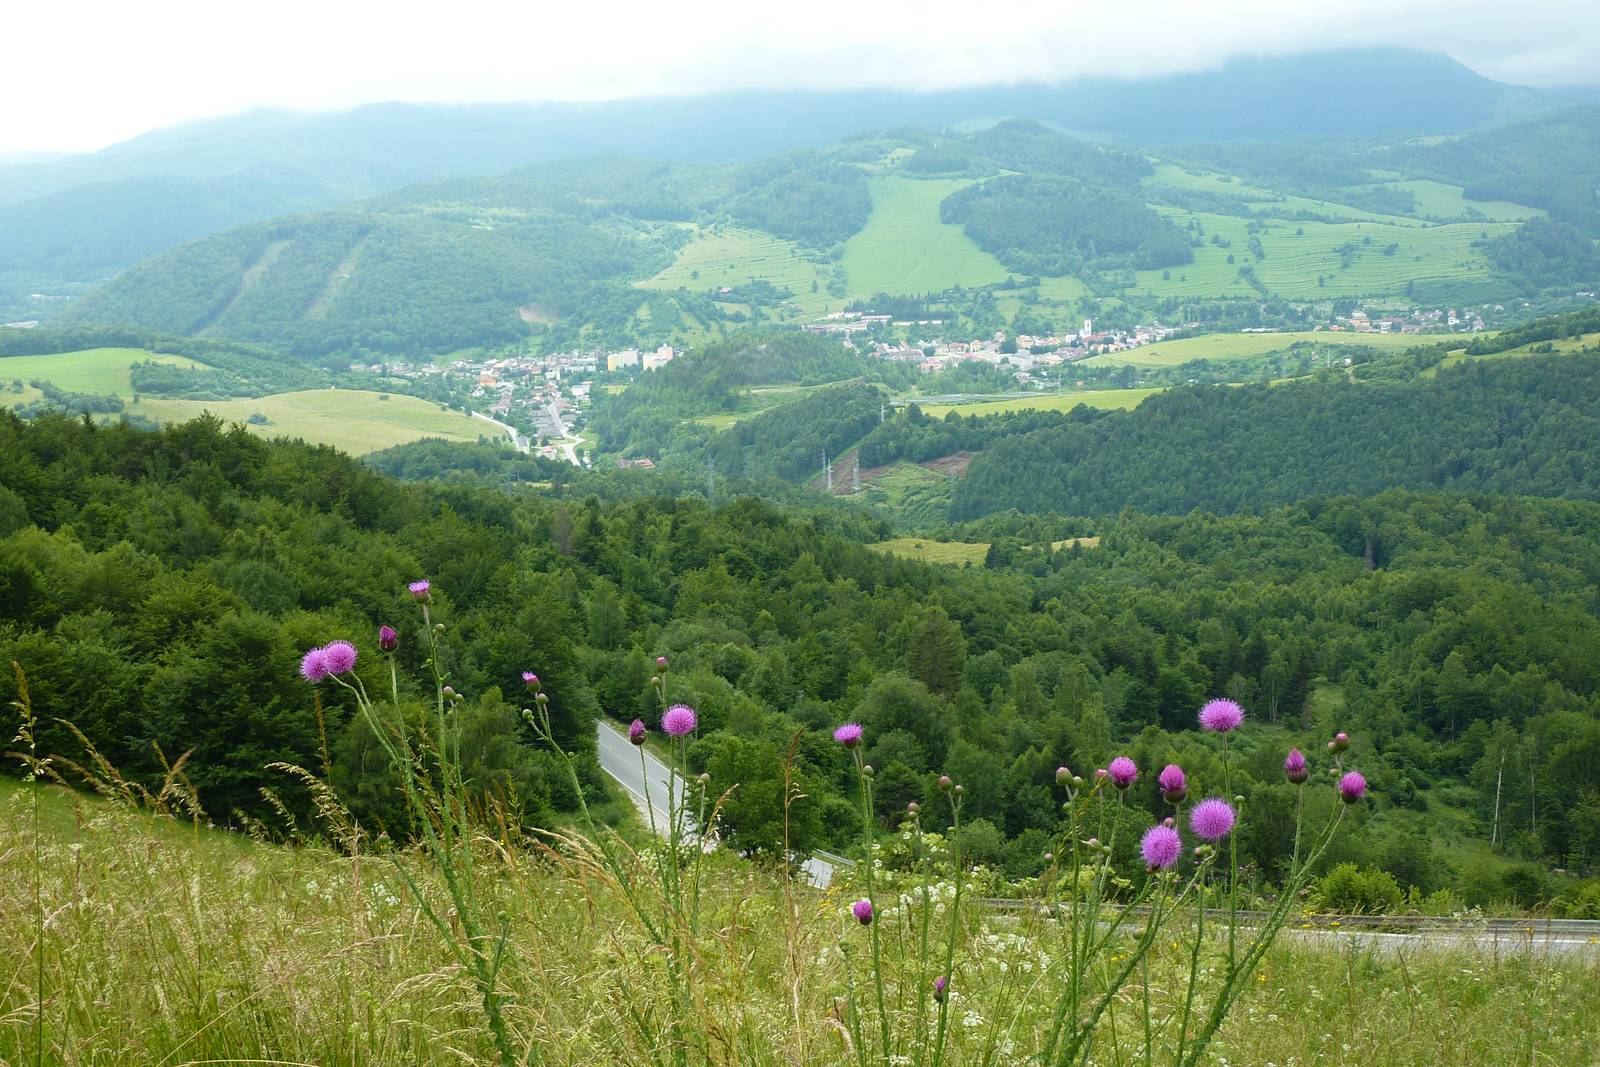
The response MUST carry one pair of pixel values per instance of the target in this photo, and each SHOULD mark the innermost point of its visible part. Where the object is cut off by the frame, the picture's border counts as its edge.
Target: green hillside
(1014, 228)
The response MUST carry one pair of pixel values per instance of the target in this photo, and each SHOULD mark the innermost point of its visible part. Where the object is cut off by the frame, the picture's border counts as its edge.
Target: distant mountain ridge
(68, 223)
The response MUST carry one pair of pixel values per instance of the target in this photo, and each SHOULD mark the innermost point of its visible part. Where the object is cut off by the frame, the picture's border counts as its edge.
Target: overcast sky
(82, 75)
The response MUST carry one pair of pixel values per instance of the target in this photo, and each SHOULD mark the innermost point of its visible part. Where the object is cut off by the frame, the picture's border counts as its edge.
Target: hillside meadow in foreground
(167, 942)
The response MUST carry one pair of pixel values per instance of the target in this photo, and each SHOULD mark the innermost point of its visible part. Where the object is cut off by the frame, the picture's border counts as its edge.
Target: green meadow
(905, 248)
(1447, 201)
(728, 255)
(929, 551)
(95, 370)
(1246, 346)
(1126, 399)
(1307, 260)
(350, 419)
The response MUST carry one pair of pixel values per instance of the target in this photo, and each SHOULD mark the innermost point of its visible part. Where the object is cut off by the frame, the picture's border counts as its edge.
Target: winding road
(620, 759)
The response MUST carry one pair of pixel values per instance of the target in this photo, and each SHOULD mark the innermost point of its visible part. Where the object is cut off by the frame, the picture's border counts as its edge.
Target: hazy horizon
(139, 70)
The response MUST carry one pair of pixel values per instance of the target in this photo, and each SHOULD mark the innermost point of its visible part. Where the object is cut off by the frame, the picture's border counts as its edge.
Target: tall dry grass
(166, 943)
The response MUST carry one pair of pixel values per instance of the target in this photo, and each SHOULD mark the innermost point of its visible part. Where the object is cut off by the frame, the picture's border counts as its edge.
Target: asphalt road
(620, 759)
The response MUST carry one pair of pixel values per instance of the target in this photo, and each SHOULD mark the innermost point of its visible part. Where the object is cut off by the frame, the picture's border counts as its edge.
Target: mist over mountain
(68, 223)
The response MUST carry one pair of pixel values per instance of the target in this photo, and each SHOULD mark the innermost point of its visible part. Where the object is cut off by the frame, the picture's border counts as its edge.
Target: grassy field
(728, 256)
(905, 248)
(1446, 201)
(956, 553)
(1304, 260)
(168, 943)
(357, 422)
(1245, 346)
(95, 370)
(1127, 399)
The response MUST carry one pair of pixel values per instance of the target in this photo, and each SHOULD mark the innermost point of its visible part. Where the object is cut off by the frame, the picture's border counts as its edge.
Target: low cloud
(82, 76)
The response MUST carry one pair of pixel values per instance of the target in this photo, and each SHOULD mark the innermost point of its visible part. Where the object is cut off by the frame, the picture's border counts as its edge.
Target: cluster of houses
(1412, 320)
(1030, 351)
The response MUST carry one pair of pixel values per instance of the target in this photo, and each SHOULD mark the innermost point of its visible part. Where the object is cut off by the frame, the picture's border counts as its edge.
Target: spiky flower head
(1123, 772)
(530, 680)
(848, 735)
(339, 657)
(939, 985)
(862, 910)
(661, 663)
(679, 720)
(1295, 767)
(388, 640)
(636, 732)
(314, 667)
(1221, 716)
(1341, 742)
(1352, 787)
(1160, 846)
(1173, 784)
(1212, 818)
(1063, 776)
(419, 592)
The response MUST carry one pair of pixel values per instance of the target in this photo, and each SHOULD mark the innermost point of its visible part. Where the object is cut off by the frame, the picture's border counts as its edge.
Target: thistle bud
(945, 783)
(636, 731)
(1063, 776)
(959, 790)
(1341, 742)
(388, 640)
(661, 664)
(939, 985)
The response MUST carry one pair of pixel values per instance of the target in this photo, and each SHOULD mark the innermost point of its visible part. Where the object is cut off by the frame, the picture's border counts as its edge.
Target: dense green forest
(1050, 226)
(159, 588)
(1526, 425)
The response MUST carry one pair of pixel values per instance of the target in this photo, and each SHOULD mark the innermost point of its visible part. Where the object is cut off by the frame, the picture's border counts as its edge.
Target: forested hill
(159, 589)
(1528, 425)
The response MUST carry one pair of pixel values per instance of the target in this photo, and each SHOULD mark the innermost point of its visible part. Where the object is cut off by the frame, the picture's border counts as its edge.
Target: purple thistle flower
(1212, 818)
(862, 910)
(679, 720)
(339, 657)
(1123, 771)
(1352, 787)
(419, 591)
(939, 985)
(388, 640)
(1161, 846)
(530, 680)
(1295, 767)
(314, 667)
(1221, 716)
(848, 735)
(636, 732)
(1173, 784)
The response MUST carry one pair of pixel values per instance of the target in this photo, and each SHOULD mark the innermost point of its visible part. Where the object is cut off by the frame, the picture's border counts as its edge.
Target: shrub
(1348, 889)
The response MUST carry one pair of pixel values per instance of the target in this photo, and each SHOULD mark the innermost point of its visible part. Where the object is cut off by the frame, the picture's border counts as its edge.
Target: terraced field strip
(350, 419)
(1307, 260)
(1126, 399)
(106, 371)
(1248, 345)
(905, 248)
